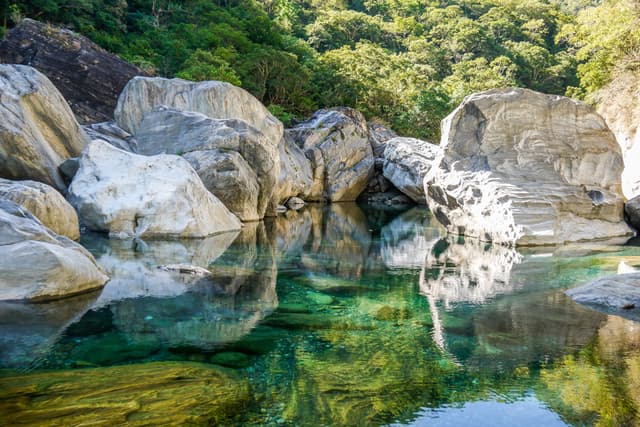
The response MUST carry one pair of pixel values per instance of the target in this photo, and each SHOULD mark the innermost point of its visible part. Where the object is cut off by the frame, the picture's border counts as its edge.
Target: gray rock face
(632, 212)
(45, 203)
(129, 195)
(336, 142)
(217, 100)
(166, 130)
(613, 292)
(520, 167)
(37, 264)
(379, 135)
(89, 77)
(227, 175)
(110, 132)
(406, 163)
(296, 177)
(37, 129)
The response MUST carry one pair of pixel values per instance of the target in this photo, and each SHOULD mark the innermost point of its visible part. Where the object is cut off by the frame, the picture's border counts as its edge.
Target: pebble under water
(335, 315)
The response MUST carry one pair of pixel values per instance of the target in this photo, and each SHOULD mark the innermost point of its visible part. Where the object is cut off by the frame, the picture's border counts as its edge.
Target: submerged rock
(336, 142)
(235, 161)
(37, 128)
(89, 77)
(611, 293)
(520, 167)
(37, 264)
(406, 163)
(45, 203)
(217, 100)
(161, 393)
(27, 330)
(129, 195)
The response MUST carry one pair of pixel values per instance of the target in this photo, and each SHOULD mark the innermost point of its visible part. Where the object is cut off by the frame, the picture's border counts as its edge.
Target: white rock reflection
(468, 271)
(408, 238)
(133, 265)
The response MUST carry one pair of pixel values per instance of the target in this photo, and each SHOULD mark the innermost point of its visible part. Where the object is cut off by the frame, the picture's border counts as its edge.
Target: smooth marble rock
(129, 195)
(45, 203)
(37, 264)
(38, 130)
(523, 168)
(214, 99)
(236, 161)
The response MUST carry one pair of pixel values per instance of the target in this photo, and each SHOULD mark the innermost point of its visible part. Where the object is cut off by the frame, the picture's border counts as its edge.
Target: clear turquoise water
(340, 316)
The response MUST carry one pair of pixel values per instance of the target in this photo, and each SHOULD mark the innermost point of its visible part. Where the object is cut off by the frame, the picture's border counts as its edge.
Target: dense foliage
(404, 62)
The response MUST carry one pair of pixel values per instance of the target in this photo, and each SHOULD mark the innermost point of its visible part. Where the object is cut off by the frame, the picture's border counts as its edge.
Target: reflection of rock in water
(28, 330)
(290, 231)
(240, 291)
(145, 310)
(340, 240)
(467, 271)
(133, 264)
(492, 319)
(519, 329)
(408, 238)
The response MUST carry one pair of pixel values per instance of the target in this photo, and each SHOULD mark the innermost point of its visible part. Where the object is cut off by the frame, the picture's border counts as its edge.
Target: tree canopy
(406, 63)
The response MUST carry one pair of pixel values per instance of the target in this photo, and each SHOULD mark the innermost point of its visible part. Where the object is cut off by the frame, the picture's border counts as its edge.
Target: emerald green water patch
(319, 318)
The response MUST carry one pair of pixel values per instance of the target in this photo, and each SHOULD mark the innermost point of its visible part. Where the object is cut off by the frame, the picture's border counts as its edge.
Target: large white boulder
(217, 100)
(45, 203)
(38, 131)
(171, 131)
(406, 163)
(336, 141)
(619, 104)
(521, 167)
(36, 264)
(130, 195)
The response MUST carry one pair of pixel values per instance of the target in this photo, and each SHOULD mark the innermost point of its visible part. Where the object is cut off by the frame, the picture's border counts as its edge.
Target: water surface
(334, 315)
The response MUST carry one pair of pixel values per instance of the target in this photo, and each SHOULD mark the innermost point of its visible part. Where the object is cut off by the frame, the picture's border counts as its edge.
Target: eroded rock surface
(336, 141)
(37, 264)
(37, 128)
(520, 167)
(45, 203)
(619, 105)
(89, 77)
(129, 195)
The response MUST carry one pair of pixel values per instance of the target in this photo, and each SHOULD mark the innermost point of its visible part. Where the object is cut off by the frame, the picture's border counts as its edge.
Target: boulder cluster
(180, 159)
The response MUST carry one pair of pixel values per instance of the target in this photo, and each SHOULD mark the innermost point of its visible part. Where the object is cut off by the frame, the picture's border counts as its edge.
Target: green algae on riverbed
(161, 393)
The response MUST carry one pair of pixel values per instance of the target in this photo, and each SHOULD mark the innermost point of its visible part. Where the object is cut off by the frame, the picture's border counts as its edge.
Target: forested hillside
(406, 63)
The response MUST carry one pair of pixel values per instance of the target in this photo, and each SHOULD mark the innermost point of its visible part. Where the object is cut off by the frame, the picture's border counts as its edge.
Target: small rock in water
(185, 269)
(295, 203)
(281, 209)
(629, 306)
